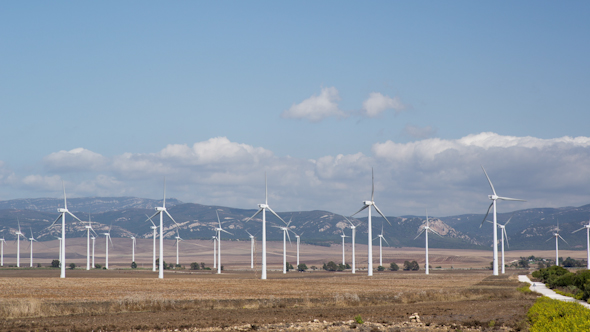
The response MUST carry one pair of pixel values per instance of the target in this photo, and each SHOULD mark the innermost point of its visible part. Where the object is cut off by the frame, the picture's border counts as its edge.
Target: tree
(347, 266)
(380, 268)
(288, 266)
(411, 266)
(302, 267)
(341, 267)
(202, 265)
(97, 266)
(72, 266)
(133, 265)
(195, 266)
(313, 267)
(393, 267)
(331, 266)
(55, 263)
(523, 263)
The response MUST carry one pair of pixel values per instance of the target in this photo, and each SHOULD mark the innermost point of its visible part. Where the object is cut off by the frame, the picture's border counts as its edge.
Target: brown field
(125, 299)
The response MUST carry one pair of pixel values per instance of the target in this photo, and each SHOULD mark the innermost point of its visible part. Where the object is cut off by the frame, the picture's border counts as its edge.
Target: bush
(301, 267)
(331, 266)
(39, 265)
(393, 267)
(358, 319)
(203, 266)
(380, 268)
(55, 263)
(195, 266)
(554, 315)
(288, 266)
(133, 265)
(72, 266)
(411, 266)
(97, 266)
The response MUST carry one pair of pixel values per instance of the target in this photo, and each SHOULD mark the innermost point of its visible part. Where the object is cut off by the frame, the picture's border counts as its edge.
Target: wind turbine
(154, 228)
(18, 235)
(93, 238)
(587, 227)
(381, 239)
(219, 230)
(263, 208)
(252, 240)
(368, 204)
(63, 212)
(557, 237)
(343, 236)
(133, 249)
(353, 227)
(286, 231)
(88, 229)
(503, 236)
(494, 198)
(31, 239)
(214, 239)
(2, 241)
(178, 239)
(108, 238)
(425, 230)
(298, 237)
(161, 211)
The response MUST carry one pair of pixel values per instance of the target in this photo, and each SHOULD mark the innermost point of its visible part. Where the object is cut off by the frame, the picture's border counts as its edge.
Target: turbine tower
(108, 238)
(494, 198)
(133, 249)
(219, 230)
(93, 238)
(503, 236)
(557, 237)
(343, 236)
(298, 237)
(31, 239)
(2, 241)
(88, 229)
(353, 227)
(587, 227)
(178, 239)
(161, 211)
(18, 235)
(154, 228)
(425, 230)
(252, 240)
(214, 239)
(286, 231)
(263, 208)
(63, 212)
(381, 239)
(368, 204)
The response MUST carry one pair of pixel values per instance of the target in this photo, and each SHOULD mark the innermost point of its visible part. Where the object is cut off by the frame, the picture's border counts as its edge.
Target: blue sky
(112, 96)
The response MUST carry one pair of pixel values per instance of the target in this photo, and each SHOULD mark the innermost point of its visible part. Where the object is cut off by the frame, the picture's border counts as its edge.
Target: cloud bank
(443, 176)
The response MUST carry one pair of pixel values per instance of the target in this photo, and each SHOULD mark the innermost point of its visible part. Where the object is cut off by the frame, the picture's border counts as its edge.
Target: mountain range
(528, 229)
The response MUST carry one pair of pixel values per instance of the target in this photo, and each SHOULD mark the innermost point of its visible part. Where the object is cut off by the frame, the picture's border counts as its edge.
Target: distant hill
(528, 229)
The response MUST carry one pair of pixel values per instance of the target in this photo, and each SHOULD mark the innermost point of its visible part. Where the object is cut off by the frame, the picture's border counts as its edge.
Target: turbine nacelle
(493, 197)
(62, 210)
(369, 203)
(263, 206)
(160, 209)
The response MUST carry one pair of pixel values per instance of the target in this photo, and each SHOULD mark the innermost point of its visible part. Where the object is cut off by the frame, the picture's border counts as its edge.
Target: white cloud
(78, 159)
(378, 103)
(441, 175)
(420, 133)
(317, 108)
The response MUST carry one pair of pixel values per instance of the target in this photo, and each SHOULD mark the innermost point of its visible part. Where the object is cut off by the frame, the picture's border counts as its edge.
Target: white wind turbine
(154, 228)
(219, 230)
(88, 229)
(108, 238)
(214, 239)
(178, 239)
(503, 236)
(263, 208)
(587, 228)
(93, 238)
(31, 240)
(18, 235)
(286, 231)
(252, 240)
(494, 198)
(161, 211)
(343, 236)
(63, 212)
(557, 237)
(2, 241)
(381, 239)
(425, 230)
(353, 227)
(298, 237)
(133, 242)
(368, 204)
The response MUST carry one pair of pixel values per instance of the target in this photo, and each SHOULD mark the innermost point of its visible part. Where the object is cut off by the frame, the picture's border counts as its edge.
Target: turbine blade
(288, 237)
(265, 190)
(71, 214)
(511, 199)
(509, 219)
(164, 202)
(65, 201)
(385, 240)
(381, 213)
(490, 181)
(551, 238)
(348, 221)
(111, 241)
(423, 229)
(177, 225)
(562, 239)
(219, 221)
(435, 232)
(505, 236)
(578, 230)
(248, 233)
(364, 207)
(255, 214)
(372, 185)
(484, 218)
(53, 223)
(223, 230)
(491, 222)
(276, 214)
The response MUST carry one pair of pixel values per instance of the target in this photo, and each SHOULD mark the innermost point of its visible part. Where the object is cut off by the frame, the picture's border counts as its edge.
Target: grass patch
(548, 315)
(524, 289)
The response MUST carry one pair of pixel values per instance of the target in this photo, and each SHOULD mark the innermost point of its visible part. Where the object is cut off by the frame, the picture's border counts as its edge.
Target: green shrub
(380, 268)
(133, 265)
(72, 266)
(195, 266)
(97, 266)
(358, 319)
(55, 263)
(393, 267)
(301, 267)
(553, 315)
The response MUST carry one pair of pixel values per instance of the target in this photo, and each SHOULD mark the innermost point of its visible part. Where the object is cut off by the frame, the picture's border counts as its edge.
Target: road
(540, 288)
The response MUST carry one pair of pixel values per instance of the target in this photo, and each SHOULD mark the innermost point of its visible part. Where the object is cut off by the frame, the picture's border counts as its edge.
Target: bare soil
(136, 300)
